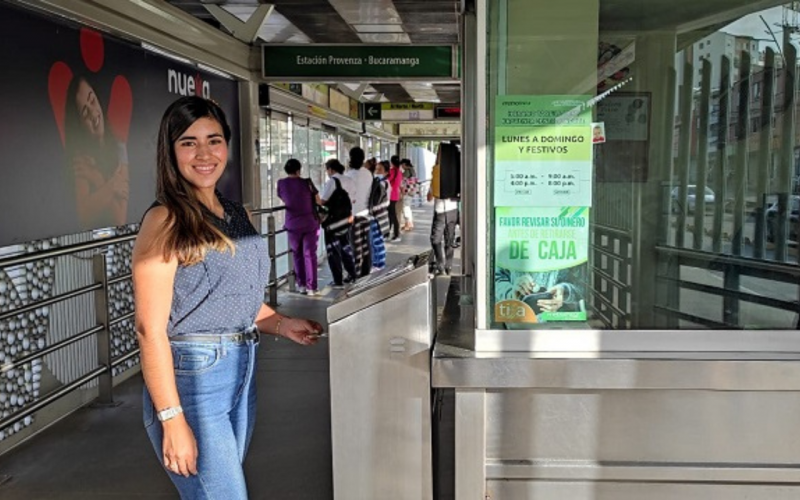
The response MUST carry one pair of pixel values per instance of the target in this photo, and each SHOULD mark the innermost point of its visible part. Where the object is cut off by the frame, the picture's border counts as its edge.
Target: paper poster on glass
(543, 151)
(542, 198)
(541, 257)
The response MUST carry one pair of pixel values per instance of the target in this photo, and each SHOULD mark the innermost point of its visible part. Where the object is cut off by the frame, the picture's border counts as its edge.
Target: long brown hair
(188, 231)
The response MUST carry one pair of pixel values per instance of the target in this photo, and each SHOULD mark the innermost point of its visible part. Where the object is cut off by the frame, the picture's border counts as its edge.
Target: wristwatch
(168, 413)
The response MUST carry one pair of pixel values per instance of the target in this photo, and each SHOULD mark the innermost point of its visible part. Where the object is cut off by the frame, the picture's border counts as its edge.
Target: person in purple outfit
(301, 198)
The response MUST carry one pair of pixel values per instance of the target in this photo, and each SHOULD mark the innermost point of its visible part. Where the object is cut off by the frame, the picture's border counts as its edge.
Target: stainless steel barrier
(381, 335)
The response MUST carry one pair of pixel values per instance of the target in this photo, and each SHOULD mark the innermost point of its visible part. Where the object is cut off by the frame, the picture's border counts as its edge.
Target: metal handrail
(51, 397)
(774, 267)
(266, 211)
(47, 350)
(732, 268)
(102, 329)
(65, 250)
(52, 300)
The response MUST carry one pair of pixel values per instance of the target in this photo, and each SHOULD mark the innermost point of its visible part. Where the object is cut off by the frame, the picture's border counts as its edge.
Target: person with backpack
(336, 197)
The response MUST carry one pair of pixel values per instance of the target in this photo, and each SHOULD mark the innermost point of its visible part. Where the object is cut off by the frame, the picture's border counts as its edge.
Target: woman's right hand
(179, 447)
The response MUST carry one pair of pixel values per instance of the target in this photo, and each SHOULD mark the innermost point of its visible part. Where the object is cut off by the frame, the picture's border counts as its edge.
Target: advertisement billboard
(81, 117)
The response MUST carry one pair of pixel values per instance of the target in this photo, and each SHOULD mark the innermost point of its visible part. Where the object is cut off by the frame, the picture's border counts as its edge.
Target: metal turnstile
(381, 334)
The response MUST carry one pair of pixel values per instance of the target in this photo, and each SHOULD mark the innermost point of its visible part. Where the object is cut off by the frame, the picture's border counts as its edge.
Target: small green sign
(372, 111)
(314, 62)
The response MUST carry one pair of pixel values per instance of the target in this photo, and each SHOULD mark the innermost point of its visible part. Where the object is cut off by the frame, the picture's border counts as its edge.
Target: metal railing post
(291, 276)
(273, 272)
(105, 396)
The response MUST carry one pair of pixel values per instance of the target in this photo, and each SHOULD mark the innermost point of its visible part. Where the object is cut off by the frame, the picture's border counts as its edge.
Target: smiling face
(89, 110)
(202, 154)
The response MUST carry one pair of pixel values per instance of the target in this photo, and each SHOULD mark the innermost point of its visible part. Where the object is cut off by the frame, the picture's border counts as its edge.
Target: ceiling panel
(394, 92)
(634, 15)
(367, 11)
(378, 28)
(385, 38)
(449, 93)
(421, 91)
(318, 20)
(276, 28)
(355, 21)
(430, 21)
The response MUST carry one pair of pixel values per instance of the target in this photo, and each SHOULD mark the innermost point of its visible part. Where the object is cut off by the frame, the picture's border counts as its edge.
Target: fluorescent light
(214, 71)
(378, 28)
(162, 52)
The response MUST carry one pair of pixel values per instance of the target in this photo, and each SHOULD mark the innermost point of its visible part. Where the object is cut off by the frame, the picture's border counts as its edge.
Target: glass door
(316, 169)
(347, 141)
(280, 151)
(300, 143)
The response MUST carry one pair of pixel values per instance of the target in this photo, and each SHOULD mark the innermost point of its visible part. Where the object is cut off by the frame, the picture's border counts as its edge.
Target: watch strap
(169, 413)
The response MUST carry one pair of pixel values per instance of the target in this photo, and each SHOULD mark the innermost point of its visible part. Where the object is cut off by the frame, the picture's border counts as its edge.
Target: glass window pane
(347, 141)
(595, 213)
(329, 144)
(264, 158)
(316, 171)
(300, 143)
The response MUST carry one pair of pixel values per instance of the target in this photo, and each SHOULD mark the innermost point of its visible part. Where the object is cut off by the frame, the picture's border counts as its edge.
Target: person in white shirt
(336, 195)
(346, 182)
(362, 178)
(443, 229)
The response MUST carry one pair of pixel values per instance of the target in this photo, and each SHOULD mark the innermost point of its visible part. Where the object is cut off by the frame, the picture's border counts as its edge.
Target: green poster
(542, 198)
(543, 151)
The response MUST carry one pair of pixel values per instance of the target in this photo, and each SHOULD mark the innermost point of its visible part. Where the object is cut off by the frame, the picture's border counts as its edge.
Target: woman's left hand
(302, 331)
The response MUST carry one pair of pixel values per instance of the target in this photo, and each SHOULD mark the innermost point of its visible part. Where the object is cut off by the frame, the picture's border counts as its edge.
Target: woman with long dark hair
(98, 162)
(199, 272)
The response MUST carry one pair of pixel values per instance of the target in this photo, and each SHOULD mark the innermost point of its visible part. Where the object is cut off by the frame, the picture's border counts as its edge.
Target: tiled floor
(104, 453)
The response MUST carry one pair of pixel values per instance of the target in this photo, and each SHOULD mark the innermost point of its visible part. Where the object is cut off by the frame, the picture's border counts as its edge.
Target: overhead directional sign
(397, 112)
(372, 111)
(355, 62)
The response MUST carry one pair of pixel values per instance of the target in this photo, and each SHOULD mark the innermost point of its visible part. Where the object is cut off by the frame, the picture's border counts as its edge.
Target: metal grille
(730, 260)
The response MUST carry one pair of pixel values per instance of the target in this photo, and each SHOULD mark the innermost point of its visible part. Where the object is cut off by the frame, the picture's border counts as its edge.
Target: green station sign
(343, 62)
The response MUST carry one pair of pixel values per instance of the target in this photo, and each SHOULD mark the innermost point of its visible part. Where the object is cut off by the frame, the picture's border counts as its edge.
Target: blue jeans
(217, 387)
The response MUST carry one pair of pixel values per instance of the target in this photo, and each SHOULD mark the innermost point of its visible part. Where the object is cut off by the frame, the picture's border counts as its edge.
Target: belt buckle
(238, 338)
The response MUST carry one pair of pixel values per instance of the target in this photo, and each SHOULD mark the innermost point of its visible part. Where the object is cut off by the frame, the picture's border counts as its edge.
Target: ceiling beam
(728, 16)
(354, 93)
(246, 32)
(153, 22)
